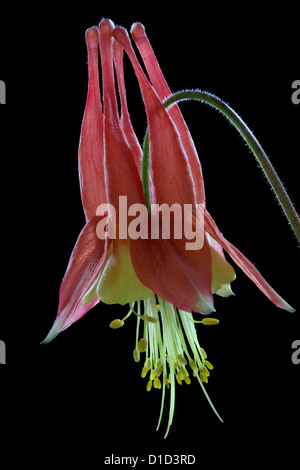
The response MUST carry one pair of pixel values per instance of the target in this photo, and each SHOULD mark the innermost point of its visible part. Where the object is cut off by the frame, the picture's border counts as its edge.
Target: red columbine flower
(162, 282)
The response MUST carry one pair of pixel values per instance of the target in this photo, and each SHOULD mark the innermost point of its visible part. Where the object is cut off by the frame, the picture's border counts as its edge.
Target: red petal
(162, 89)
(91, 172)
(86, 261)
(121, 174)
(170, 172)
(125, 118)
(180, 276)
(245, 264)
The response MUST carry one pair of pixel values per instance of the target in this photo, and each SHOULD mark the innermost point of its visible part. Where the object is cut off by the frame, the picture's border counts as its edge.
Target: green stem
(247, 135)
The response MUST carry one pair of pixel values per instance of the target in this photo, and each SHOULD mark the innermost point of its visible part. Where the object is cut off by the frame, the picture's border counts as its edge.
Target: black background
(81, 397)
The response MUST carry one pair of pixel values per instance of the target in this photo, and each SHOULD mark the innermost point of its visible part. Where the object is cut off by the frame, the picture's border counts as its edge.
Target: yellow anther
(192, 365)
(142, 345)
(158, 307)
(157, 383)
(148, 363)
(205, 371)
(187, 380)
(159, 370)
(176, 365)
(183, 372)
(148, 318)
(117, 323)
(178, 379)
(153, 374)
(195, 373)
(182, 359)
(144, 372)
(149, 386)
(203, 353)
(210, 321)
(208, 365)
(203, 378)
(136, 355)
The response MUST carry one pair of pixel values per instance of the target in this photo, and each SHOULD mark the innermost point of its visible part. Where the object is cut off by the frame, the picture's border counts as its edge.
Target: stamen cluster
(168, 338)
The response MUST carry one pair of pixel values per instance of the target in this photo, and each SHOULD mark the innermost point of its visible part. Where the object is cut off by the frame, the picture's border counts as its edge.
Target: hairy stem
(245, 132)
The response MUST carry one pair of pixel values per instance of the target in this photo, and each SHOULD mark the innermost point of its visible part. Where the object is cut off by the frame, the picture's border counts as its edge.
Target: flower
(160, 279)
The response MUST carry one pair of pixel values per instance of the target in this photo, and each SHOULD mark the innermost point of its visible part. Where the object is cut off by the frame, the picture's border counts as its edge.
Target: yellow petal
(225, 291)
(222, 272)
(118, 282)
